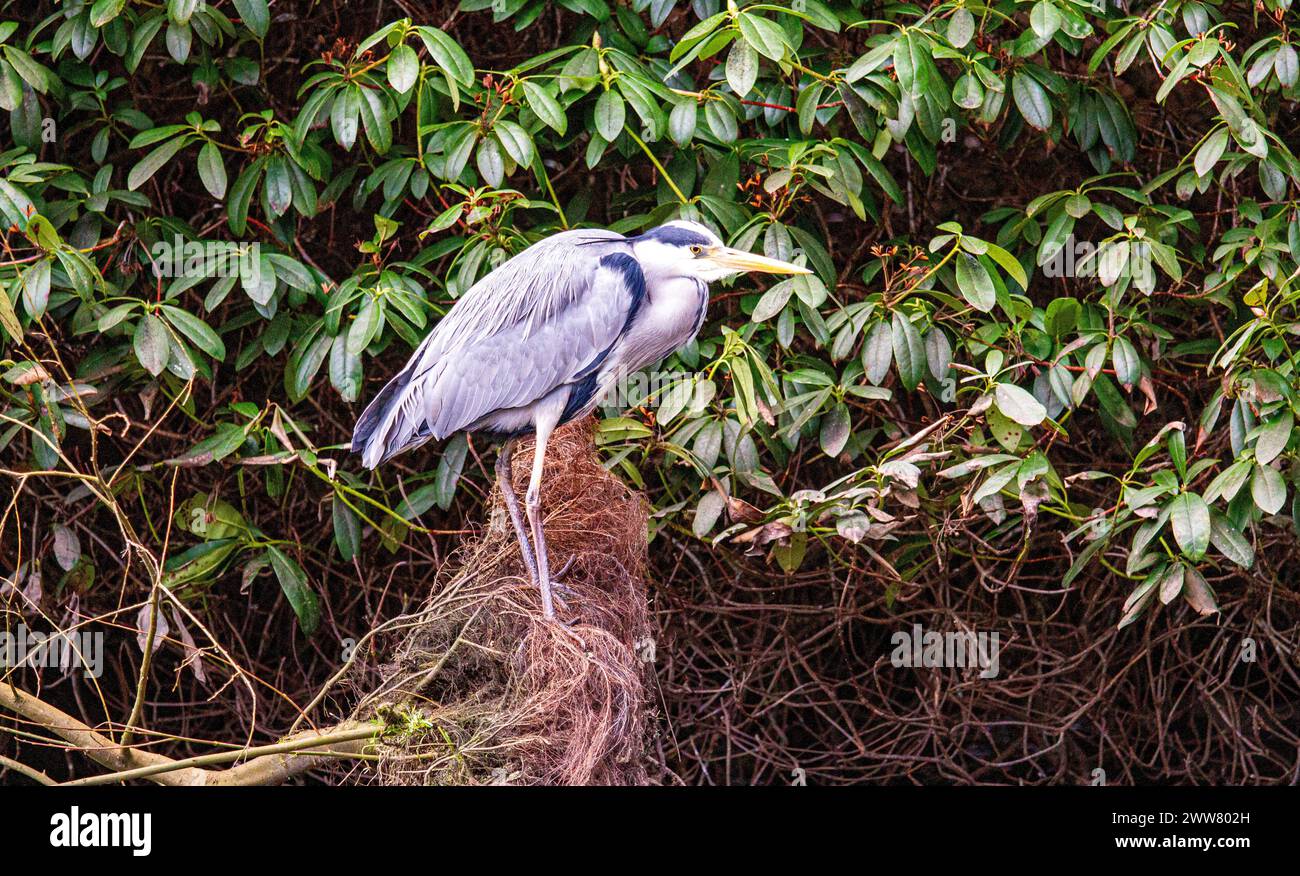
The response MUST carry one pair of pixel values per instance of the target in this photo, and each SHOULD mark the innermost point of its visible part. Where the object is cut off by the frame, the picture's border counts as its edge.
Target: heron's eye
(696, 249)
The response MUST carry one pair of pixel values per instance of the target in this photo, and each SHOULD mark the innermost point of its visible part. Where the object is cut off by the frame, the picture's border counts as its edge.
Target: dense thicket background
(953, 423)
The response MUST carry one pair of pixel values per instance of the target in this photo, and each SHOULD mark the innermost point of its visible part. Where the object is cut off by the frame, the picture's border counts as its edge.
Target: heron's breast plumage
(669, 317)
(668, 320)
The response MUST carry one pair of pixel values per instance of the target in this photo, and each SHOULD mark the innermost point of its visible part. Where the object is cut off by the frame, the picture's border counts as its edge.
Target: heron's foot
(557, 577)
(552, 589)
(559, 591)
(559, 599)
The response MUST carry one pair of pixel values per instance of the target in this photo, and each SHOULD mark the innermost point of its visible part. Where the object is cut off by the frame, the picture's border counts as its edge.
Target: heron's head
(688, 249)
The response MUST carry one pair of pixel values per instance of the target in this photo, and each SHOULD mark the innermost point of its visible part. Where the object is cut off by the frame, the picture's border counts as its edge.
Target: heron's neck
(668, 319)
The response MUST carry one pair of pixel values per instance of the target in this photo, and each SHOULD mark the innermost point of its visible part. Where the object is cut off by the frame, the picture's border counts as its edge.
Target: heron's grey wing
(536, 323)
(526, 361)
(529, 289)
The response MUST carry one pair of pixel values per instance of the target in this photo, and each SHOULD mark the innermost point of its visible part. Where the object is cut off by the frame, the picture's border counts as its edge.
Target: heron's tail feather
(393, 422)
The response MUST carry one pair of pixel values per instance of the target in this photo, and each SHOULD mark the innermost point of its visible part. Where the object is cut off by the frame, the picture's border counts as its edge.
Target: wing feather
(534, 324)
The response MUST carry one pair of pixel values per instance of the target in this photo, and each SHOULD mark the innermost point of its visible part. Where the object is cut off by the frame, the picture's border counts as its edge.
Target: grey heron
(539, 340)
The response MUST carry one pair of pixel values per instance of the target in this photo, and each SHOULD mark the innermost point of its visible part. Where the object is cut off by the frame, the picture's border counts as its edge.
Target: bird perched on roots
(536, 343)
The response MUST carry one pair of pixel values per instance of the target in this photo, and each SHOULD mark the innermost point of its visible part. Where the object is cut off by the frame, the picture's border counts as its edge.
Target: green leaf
(33, 73)
(1055, 237)
(212, 170)
(255, 16)
(15, 206)
(1018, 404)
(279, 189)
(610, 114)
(1274, 437)
(446, 218)
(1229, 481)
(1008, 263)
(1190, 520)
(308, 364)
(773, 301)
(347, 529)
(909, 352)
(1032, 101)
(1062, 316)
(293, 582)
(36, 287)
(1171, 583)
(1006, 431)
(241, 193)
(938, 353)
(681, 122)
(516, 142)
(707, 512)
(722, 121)
(742, 68)
(1128, 367)
(878, 352)
(345, 116)
(975, 283)
(179, 38)
(490, 163)
(1139, 598)
(345, 369)
(449, 469)
(374, 119)
(142, 36)
(1287, 64)
(835, 430)
(1229, 542)
(912, 63)
(151, 163)
(967, 92)
(1268, 489)
(104, 11)
(198, 331)
(1045, 19)
(403, 68)
(9, 318)
(152, 344)
(546, 107)
(765, 36)
(363, 328)
(806, 106)
(448, 54)
(961, 27)
(1211, 151)
(458, 150)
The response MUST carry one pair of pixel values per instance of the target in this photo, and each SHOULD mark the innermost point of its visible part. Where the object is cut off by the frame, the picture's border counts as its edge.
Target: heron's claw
(559, 592)
(558, 589)
(556, 577)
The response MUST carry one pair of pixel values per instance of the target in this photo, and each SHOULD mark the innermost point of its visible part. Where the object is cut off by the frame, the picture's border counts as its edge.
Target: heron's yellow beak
(737, 260)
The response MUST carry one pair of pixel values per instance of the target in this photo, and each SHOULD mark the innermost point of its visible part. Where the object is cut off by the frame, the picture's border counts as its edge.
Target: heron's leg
(512, 506)
(533, 502)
